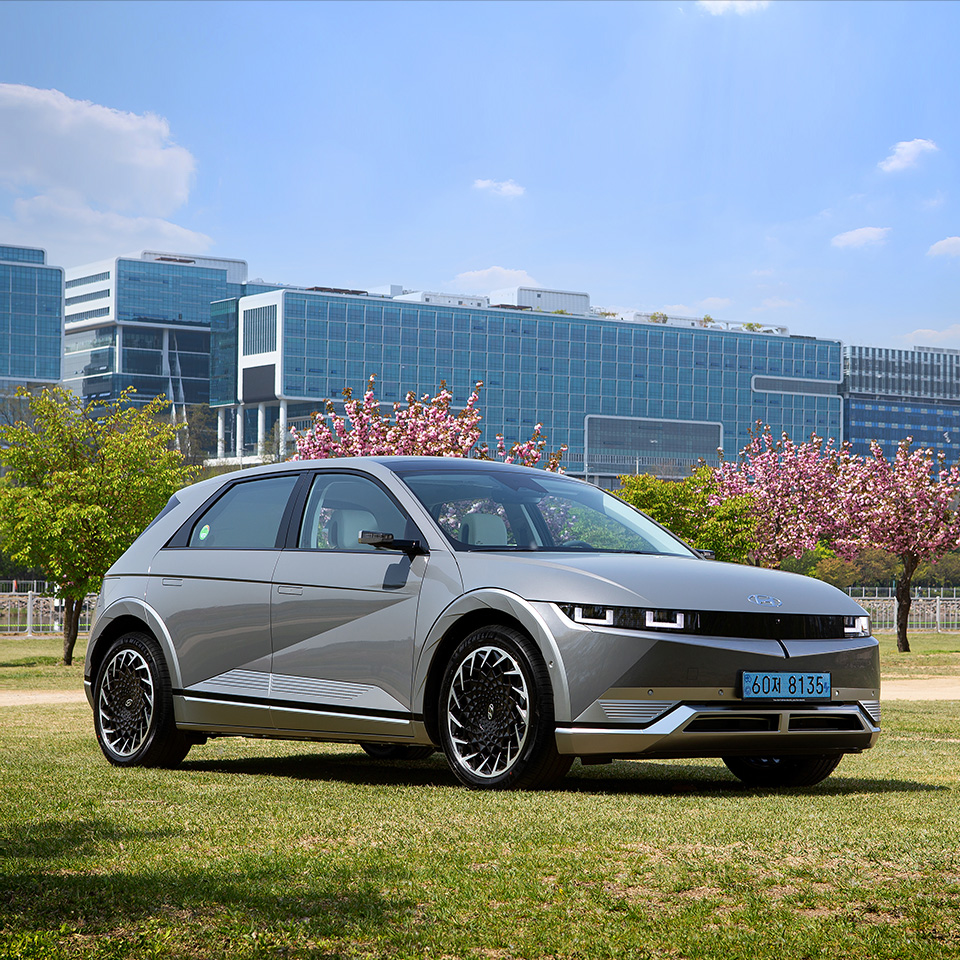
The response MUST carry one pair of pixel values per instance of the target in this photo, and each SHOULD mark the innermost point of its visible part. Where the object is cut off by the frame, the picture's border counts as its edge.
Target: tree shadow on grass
(621, 777)
(256, 891)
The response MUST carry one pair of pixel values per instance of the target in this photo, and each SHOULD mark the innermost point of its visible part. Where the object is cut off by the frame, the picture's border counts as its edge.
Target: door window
(341, 506)
(247, 516)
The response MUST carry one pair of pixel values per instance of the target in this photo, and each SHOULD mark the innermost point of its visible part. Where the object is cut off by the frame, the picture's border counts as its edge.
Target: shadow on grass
(623, 777)
(256, 892)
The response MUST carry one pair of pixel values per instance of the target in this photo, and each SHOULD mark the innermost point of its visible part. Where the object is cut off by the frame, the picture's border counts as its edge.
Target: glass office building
(31, 318)
(622, 394)
(892, 394)
(145, 322)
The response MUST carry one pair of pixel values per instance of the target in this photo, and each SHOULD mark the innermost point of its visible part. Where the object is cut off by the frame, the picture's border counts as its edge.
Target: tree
(82, 482)
(658, 317)
(425, 427)
(791, 492)
(906, 506)
(690, 509)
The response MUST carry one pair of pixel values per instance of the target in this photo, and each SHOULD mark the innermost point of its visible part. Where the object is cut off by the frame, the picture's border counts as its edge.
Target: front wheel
(496, 713)
(133, 706)
(782, 771)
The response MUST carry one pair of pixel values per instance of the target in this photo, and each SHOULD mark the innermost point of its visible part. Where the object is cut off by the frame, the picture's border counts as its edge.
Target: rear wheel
(496, 713)
(782, 771)
(133, 706)
(396, 751)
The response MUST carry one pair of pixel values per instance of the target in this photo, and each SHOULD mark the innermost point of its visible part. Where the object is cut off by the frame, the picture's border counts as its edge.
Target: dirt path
(927, 688)
(18, 698)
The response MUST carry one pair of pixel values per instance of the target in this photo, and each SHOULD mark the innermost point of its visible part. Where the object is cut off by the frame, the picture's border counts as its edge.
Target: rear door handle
(290, 590)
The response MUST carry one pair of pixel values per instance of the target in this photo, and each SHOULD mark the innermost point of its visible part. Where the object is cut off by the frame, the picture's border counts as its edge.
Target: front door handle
(290, 590)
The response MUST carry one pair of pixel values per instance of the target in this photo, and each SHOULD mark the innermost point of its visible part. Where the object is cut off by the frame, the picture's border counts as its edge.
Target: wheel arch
(122, 617)
(469, 613)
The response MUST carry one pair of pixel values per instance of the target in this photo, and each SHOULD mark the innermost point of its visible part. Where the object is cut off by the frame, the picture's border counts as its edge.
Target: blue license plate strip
(785, 686)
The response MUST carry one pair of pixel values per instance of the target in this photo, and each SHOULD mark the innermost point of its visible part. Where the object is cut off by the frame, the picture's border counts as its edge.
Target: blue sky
(785, 162)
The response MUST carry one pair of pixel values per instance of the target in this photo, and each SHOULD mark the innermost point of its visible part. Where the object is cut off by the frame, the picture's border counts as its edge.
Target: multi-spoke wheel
(396, 751)
(133, 706)
(496, 713)
(782, 771)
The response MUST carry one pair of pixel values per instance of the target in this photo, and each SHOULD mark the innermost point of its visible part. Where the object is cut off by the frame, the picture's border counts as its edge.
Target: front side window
(247, 516)
(507, 510)
(341, 506)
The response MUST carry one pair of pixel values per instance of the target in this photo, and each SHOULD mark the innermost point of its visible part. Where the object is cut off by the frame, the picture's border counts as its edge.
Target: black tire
(133, 706)
(804, 771)
(397, 751)
(496, 713)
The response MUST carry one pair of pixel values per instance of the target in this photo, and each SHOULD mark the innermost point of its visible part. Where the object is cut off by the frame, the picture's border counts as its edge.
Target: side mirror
(387, 541)
(706, 554)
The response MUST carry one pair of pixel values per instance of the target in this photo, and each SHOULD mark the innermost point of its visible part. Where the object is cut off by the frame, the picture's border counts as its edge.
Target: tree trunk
(71, 627)
(910, 563)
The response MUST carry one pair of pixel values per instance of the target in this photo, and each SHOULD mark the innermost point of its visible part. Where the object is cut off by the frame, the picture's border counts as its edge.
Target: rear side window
(247, 516)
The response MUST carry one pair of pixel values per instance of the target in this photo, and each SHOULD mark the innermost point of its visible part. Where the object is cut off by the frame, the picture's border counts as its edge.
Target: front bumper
(661, 729)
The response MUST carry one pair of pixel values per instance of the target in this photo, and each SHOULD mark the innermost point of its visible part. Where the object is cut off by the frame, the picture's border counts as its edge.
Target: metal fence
(33, 614)
(931, 614)
(870, 593)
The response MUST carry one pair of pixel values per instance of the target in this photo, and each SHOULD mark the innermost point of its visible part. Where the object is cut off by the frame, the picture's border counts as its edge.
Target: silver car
(514, 619)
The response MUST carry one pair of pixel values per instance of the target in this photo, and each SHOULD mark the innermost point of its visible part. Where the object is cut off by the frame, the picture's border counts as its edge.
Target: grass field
(264, 849)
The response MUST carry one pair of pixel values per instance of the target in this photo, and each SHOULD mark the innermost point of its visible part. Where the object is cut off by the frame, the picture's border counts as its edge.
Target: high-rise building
(31, 318)
(623, 394)
(892, 394)
(144, 321)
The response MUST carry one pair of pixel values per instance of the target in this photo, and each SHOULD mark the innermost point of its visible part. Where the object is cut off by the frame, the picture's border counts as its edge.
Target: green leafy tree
(684, 508)
(82, 481)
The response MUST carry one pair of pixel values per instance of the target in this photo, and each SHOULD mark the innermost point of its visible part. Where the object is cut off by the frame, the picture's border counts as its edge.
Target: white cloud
(500, 188)
(719, 7)
(493, 278)
(762, 273)
(73, 233)
(949, 247)
(775, 303)
(86, 181)
(715, 303)
(861, 237)
(678, 310)
(933, 337)
(905, 154)
(937, 200)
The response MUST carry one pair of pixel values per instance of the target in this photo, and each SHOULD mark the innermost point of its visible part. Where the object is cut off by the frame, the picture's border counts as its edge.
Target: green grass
(35, 663)
(271, 849)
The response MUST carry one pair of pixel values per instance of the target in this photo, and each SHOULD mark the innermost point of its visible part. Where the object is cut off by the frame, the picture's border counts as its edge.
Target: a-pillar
(283, 429)
(221, 433)
(262, 430)
(238, 431)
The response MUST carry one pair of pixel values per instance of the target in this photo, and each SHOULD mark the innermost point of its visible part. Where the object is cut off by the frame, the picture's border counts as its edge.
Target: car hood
(645, 580)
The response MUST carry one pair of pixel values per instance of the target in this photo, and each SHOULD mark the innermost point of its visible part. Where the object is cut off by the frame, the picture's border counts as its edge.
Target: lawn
(271, 849)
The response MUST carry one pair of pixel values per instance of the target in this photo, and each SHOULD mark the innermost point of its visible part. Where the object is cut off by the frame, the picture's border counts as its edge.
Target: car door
(211, 587)
(344, 614)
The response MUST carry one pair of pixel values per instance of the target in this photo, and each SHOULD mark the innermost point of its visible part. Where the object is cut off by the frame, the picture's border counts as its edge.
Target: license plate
(786, 686)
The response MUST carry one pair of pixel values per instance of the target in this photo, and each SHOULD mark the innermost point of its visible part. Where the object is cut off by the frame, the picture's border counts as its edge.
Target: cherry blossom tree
(789, 487)
(906, 506)
(422, 427)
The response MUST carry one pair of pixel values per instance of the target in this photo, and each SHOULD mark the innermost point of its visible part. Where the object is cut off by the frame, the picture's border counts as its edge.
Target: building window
(260, 330)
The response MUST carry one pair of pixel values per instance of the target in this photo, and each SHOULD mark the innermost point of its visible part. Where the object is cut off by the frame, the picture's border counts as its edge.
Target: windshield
(506, 510)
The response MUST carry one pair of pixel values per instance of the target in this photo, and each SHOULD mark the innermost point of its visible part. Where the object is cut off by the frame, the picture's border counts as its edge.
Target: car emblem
(762, 601)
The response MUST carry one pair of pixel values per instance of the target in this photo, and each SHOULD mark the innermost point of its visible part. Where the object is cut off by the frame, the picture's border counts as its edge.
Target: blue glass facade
(616, 392)
(158, 309)
(892, 394)
(149, 291)
(31, 316)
